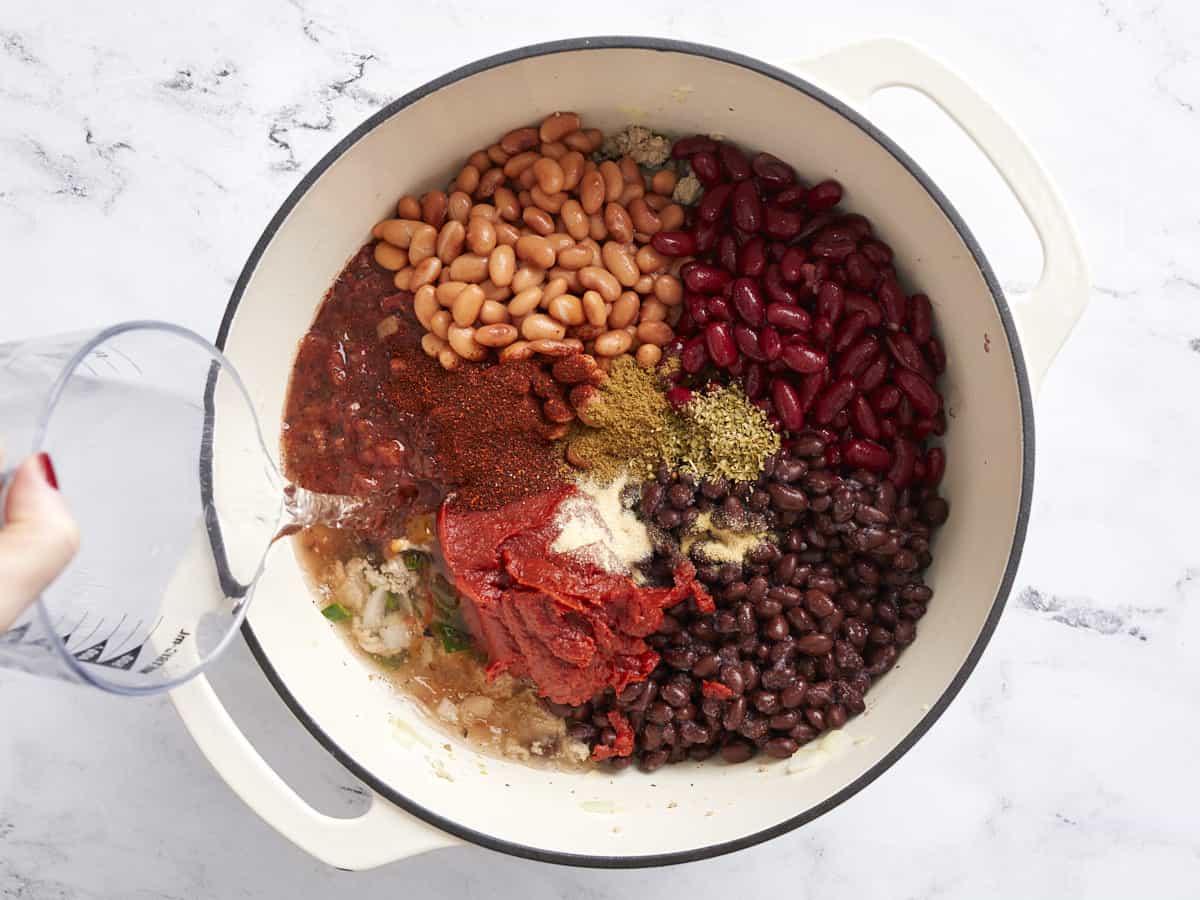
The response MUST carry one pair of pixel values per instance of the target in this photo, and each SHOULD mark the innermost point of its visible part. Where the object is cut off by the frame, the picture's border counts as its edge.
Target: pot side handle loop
(383, 834)
(1058, 299)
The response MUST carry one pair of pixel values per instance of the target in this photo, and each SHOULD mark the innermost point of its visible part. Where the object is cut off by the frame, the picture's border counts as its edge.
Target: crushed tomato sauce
(572, 627)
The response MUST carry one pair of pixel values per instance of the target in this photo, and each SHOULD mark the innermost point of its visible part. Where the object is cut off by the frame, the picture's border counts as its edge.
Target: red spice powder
(376, 416)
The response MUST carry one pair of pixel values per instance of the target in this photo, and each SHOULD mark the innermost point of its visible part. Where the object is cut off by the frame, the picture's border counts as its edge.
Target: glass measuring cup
(174, 533)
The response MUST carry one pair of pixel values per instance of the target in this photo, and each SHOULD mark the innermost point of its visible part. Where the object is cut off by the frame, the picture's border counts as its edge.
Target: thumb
(38, 538)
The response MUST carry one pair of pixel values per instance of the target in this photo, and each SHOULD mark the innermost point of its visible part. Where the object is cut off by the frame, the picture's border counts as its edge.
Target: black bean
(735, 712)
(735, 591)
(692, 733)
(816, 718)
(749, 675)
(745, 618)
(777, 628)
(785, 568)
(766, 702)
(757, 588)
(652, 760)
(731, 677)
(673, 694)
(905, 632)
(668, 518)
(801, 622)
(835, 716)
(808, 445)
(780, 747)
(689, 517)
(737, 751)
(652, 496)
(793, 695)
(776, 678)
(581, 731)
(788, 470)
(679, 658)
(706, 666)
(818, 603)
(729, 573)
(732, 507)
(754, 727)
(847, 658)
(786, 497)
(935, 511)
(680, 496)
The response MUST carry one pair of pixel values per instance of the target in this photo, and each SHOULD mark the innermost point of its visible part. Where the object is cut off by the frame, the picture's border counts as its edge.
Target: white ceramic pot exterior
(691, 810)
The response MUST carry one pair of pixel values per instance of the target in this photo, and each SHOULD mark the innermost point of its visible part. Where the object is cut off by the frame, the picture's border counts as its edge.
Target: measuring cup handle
(383, 834)
(1055, 304)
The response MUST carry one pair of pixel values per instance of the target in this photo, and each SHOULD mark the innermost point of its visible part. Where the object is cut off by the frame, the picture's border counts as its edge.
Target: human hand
(38, 537)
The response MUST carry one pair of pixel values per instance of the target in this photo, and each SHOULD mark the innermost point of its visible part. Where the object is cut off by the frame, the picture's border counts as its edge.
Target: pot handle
(383, 834)
(1058, 299)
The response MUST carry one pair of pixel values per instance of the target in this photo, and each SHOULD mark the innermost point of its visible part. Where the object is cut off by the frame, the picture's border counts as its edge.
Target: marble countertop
(144, 145)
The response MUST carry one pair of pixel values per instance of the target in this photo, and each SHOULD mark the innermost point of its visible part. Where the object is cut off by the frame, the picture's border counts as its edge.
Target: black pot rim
(379, 785)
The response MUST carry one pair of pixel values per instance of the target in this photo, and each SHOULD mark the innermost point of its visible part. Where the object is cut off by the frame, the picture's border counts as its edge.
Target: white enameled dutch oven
(428, 796)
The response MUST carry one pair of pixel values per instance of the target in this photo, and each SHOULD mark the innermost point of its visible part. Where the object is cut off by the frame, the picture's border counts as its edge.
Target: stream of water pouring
(302, 508)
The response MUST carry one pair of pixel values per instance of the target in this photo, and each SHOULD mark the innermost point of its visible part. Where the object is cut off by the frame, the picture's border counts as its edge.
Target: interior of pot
(686, 808)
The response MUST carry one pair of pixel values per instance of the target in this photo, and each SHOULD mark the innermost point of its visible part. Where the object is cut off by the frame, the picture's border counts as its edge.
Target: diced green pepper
(445, 597)
(335, 612)
(414, 560)
(453, 640)
(393, 602)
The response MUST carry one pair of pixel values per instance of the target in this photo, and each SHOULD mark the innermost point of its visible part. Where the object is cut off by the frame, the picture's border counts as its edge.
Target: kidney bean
(853, 361)
(866, 454)
(719, 309)
(789, 318)
(706, 279)
(775, 289)
(747, 342)
(718, 340)
(804, 359)
(747, 207)
(727, 248)
(754, 382)
(694, 356)
(935, 468)
(863, 418)
(874, 373)
(773, 171)
(903, 462)
(920, 318)
(849, 331)
(752, 257)
(823, 195)
(689, 146)
(894, 302)
(860, 271)
(706, 167)
(706, 234)
(791, 263)
(792, 196)
(674, 243)
(736, 166)
(861, 303)
(771, 343)
(787, 405)
(747, 300)
(937, 356)
(923, 397)
(833, 399)
(781, 224)
(714, 202)
(885, 398)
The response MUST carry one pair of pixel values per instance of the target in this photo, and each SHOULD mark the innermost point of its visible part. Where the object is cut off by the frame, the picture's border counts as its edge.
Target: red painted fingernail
(48, 470)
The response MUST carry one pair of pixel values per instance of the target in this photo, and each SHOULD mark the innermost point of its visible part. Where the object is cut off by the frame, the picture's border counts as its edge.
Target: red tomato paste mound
(570, 626)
